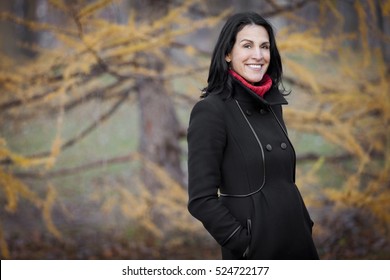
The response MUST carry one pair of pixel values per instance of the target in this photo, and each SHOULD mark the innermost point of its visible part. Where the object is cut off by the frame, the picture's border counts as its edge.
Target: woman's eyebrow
(248, 40)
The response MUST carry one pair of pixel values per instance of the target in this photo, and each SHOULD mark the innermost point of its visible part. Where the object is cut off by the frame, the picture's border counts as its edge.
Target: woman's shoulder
(208, 115)
(212, 102)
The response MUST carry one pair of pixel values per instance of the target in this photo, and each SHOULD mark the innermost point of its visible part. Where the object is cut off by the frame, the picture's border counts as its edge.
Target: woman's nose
(257, 53)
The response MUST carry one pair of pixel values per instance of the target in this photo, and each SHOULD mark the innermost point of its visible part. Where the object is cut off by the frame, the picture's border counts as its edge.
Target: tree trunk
(383, 24)
(159, 125)
(17, 34)
(159, 135)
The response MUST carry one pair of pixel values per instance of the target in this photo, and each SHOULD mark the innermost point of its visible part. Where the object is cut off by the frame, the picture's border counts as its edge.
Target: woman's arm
(206, 143)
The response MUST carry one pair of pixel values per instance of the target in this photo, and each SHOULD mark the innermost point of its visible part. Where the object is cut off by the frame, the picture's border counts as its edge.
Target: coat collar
(242, 93)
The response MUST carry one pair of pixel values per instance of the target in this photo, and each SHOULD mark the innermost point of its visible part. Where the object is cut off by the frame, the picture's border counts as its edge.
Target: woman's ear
(227, 58)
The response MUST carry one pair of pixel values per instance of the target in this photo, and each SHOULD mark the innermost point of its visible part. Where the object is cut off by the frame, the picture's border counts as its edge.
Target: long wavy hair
(218, 80)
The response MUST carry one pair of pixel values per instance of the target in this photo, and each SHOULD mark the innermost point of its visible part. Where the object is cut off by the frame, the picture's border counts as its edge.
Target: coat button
(283, 146)
(248, 112)
(263, 111)
(268, 147)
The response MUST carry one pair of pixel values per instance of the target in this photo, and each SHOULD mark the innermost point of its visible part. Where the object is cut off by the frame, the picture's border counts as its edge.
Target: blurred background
(95, 98)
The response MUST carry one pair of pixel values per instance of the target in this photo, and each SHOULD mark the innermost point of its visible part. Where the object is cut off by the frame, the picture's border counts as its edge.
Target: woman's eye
(247, 46)
(266, 47)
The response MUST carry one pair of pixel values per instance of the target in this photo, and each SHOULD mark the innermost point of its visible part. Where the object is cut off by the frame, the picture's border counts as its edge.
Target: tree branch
(76, 169)
(331, 159)
(97, 95)
(279, 9)
(89, 129)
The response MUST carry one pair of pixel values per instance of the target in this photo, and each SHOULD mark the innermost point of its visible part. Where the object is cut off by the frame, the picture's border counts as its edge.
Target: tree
(98, 58)
(159, 125)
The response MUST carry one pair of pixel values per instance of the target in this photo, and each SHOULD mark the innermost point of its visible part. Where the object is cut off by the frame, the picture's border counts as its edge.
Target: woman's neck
(260, 89)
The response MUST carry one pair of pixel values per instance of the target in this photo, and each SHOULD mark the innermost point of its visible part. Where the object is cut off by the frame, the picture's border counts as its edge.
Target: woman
(241, 163)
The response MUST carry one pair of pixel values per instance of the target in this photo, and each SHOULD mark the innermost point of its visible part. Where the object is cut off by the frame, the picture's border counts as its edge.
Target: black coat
(242, 177)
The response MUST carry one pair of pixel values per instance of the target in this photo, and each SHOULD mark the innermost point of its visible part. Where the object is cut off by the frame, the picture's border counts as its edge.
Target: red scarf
(261, 89)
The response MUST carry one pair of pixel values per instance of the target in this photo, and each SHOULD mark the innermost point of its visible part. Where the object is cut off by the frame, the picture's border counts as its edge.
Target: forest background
(95, 99)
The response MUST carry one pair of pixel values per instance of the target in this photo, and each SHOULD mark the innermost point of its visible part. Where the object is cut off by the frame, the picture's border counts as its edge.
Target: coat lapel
(242, 93)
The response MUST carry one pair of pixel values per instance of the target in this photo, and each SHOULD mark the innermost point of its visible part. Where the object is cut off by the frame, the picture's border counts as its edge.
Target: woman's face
(250, 56)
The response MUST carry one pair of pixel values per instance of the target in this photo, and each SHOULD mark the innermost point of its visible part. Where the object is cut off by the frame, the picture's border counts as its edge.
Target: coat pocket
(249, 230)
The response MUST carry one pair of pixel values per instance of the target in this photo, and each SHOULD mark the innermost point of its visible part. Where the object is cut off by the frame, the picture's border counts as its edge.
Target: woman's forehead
(252, 32)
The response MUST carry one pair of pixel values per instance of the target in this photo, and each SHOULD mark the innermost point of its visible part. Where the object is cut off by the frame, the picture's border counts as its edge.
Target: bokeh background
(95, 97)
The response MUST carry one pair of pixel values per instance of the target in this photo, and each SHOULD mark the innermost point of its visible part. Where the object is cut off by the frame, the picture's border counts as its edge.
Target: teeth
(257, 66)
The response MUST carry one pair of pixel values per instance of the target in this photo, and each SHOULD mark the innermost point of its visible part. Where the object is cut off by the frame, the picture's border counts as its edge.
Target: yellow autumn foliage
(59, 77)
(351, 111)
(345, 92)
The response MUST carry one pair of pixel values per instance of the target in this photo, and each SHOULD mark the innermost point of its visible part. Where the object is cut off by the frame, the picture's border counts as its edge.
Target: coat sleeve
(206, 141)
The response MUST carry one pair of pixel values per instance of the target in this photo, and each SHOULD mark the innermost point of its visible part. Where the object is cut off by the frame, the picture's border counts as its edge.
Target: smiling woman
(250, 55)
(241, 163)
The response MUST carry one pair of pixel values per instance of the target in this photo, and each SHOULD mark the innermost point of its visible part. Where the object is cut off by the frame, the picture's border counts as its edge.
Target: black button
(283, 146)
(268, 147)
(263, 111)
(248, 112)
